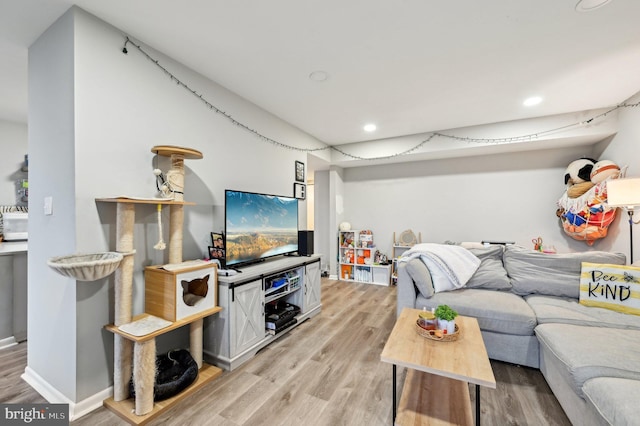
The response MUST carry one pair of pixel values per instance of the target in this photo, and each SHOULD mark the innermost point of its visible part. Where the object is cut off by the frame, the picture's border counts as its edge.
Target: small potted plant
(446, 318)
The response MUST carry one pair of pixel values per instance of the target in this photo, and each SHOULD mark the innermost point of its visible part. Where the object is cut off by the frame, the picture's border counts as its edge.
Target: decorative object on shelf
(344, 226)
(584, 209)
(407, 238)
(299, 171)
(366, 238)
(86, 267)
(172, 186)
(446, 318)
(380, 258)
(299, 191)
(537, 243)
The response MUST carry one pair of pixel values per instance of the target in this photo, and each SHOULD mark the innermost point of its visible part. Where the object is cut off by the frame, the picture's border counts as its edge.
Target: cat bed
(86, 267)
(175, 371)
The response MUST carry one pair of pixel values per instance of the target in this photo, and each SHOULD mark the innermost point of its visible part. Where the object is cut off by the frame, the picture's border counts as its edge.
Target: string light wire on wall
(432, 135)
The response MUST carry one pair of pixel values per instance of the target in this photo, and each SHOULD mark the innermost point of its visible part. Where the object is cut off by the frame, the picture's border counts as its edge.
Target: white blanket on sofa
(450, 266)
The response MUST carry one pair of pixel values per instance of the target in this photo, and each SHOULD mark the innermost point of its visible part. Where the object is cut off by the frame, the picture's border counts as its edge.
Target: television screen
(258, 226)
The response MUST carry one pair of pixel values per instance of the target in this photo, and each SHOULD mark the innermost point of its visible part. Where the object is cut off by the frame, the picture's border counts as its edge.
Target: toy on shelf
(366, 238)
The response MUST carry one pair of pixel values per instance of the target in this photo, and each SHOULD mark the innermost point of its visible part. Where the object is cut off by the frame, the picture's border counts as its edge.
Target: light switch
(48, 206)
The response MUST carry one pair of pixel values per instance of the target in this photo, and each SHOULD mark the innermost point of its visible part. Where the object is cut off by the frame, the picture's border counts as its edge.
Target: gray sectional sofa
(527, 306)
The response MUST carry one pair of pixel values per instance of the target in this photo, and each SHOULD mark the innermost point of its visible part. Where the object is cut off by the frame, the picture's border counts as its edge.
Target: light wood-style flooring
(327, 371)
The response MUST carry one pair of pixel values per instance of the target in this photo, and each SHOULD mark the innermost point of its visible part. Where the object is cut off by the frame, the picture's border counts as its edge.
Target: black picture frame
(299, 171)
(217, 250)
(299, 191)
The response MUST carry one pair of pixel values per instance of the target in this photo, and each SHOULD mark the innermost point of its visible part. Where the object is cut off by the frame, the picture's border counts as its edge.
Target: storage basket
(431, 334)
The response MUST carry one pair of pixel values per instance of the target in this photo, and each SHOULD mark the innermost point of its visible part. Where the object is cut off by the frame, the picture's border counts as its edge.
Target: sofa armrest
(407, 291)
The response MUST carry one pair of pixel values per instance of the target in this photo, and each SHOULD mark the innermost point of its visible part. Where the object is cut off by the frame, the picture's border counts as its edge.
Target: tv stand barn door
(312, 286)
(247, 312)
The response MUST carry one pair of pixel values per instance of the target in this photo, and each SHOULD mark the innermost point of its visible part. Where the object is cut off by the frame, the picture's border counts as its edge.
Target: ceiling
(410, 66)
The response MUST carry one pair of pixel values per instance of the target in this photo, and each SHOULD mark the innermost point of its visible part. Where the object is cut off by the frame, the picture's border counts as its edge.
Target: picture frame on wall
(299, 191)
(299, 171)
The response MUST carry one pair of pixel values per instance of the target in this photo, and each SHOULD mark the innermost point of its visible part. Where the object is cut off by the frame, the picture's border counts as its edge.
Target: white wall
(13, 147)
(52, 298)
(122, 106)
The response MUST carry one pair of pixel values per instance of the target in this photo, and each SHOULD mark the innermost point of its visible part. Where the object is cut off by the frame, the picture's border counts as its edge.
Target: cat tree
(135, 351)
(134, 337)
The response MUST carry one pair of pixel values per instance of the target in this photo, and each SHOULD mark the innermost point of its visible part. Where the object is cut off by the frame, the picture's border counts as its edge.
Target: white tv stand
(239, 332)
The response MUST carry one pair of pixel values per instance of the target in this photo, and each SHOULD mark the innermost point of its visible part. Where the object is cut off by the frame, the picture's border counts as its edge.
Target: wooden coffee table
(436, 390)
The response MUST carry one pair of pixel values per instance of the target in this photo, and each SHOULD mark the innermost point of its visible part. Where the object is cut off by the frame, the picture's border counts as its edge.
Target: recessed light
(319, 76)
(589, 5)
(370, 127)
(534, 100)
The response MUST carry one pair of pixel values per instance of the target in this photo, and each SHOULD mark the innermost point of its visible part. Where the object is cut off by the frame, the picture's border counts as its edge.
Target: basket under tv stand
(239, 331)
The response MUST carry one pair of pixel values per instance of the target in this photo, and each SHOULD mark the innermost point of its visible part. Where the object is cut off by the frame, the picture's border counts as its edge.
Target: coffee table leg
(393, 418)
(477, 405)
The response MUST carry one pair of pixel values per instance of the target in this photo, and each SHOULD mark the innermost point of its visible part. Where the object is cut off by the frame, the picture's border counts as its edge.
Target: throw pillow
(491, 273)
(421, 277)
(532, 272)
(612, 287)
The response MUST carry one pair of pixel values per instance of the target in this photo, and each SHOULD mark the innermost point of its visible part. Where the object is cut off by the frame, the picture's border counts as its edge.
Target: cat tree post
(144, 374)
(123, 348)
(176, 213)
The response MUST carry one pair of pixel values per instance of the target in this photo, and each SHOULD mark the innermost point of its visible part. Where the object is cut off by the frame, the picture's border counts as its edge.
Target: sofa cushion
(589, 352)
(491, 273)
(550, 309)
(497, 311)
(420, 275)
(610, 397)
(532, 272)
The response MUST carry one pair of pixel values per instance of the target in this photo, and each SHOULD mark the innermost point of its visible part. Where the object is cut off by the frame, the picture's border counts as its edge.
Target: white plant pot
(450, 326)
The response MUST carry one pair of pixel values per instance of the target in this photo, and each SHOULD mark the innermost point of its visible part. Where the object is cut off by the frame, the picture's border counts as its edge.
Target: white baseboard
(51, 394)
(8, 342)
(333, 277)
(94, 402)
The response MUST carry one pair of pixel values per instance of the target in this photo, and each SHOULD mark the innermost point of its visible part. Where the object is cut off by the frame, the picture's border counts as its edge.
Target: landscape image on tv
(259, 226)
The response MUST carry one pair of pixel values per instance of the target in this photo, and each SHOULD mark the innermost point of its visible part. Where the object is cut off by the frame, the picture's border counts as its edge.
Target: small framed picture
(217, 240)
(299, 191)
(217, 249)
(299, 171)
(216, 253)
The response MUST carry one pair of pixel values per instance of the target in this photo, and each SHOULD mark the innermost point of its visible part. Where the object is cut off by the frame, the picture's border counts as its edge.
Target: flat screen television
(259, 226)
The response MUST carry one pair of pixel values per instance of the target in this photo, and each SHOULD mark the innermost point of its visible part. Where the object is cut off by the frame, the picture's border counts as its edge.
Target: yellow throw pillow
(614, 287)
